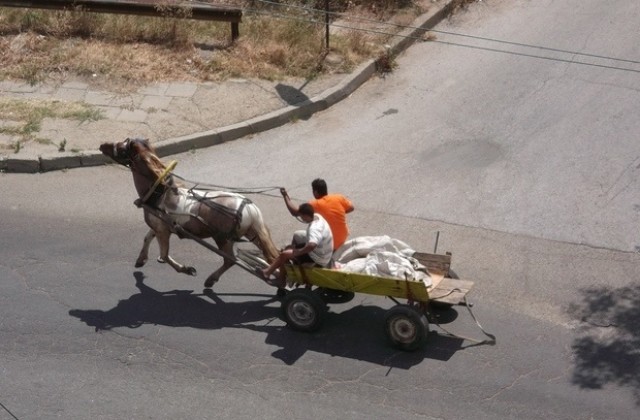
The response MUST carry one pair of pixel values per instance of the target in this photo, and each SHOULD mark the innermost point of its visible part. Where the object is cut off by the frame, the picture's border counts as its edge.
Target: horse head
(139, 156)
(125, 152)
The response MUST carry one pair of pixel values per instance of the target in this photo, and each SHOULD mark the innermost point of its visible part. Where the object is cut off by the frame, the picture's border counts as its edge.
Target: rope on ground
(490, 341)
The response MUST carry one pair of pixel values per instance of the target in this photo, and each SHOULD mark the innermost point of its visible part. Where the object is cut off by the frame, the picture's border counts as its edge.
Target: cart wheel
(406, 327)
(303, 309)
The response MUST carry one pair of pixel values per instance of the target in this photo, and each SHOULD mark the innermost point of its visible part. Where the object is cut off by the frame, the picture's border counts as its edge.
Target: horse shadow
(606, 349)
(356, 333)
(176, 308)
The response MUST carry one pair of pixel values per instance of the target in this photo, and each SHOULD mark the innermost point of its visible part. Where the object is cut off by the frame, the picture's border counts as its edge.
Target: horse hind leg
(266, 245)
(227, 248)
(261, 237)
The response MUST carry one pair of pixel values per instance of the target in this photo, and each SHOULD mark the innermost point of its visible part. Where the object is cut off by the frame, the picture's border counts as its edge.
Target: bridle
(127, 155)
(124, 155)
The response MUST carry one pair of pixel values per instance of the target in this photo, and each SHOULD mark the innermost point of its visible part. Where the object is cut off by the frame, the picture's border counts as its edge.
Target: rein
(237, 190)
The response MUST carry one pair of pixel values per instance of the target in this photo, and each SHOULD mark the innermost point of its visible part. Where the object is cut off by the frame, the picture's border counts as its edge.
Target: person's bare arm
(293, 209)
(348, 205)
(307, 248)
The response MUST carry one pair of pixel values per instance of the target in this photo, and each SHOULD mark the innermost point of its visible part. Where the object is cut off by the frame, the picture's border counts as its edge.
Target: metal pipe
(140, 7)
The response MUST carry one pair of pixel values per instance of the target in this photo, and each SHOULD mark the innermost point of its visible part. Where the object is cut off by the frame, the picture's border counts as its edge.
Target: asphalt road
(526, 168)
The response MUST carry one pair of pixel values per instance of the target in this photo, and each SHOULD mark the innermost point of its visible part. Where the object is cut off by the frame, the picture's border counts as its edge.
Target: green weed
(28, 115)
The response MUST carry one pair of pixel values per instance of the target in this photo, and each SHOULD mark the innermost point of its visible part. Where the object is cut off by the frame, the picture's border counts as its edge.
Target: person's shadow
(356, 333)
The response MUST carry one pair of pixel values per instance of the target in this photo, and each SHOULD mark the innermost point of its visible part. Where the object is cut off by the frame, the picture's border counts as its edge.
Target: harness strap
(243, 204)
(170, 167)
(235, 214)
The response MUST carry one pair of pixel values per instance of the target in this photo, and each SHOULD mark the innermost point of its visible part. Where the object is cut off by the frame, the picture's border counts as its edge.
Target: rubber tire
(406, 327)
(303, 310)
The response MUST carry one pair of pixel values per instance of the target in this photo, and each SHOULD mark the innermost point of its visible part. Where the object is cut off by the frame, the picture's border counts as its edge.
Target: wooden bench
(165, 8)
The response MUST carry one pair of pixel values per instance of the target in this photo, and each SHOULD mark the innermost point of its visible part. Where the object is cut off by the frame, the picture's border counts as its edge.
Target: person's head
(306, 212)
(319, 188)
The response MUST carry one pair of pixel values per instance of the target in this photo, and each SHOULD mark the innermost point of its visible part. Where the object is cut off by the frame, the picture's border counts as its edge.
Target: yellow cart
(406, 325)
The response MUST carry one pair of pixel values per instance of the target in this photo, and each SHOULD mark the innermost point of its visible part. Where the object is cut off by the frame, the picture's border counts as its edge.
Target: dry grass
(122, 50)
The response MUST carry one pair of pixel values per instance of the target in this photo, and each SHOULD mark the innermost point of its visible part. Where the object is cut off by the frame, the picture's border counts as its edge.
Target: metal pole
(326, 24)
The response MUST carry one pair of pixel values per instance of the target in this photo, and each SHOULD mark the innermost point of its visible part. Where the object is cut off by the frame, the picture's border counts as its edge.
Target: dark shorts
(303, 259)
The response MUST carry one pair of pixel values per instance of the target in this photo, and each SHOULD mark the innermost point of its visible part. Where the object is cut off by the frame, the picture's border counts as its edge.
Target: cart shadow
(606, 349)
(356, 333)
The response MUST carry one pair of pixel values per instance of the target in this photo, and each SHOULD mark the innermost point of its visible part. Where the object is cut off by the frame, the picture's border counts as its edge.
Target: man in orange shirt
(333, 207)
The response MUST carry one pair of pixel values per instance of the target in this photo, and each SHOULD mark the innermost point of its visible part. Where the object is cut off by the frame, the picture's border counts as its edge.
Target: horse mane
(148, 154)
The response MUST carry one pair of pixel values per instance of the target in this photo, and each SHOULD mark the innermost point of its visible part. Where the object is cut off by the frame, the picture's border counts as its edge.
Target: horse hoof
(140, 263)
(209, 283)
(191, 271)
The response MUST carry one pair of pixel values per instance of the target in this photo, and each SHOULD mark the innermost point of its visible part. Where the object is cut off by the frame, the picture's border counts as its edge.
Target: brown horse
(226, 217)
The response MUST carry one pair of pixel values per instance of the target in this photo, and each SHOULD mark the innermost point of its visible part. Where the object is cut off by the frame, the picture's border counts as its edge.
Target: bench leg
(235, 31)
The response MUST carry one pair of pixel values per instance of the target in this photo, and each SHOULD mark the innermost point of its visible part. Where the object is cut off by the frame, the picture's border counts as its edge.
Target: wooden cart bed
(443, 289)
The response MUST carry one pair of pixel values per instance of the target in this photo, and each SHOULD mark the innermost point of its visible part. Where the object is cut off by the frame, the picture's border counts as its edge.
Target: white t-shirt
(319, 233)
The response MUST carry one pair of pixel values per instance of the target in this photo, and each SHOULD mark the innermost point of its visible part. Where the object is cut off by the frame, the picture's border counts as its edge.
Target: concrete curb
(253, 126)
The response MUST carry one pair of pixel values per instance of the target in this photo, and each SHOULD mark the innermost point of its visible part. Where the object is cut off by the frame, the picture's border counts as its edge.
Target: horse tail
(265, 243)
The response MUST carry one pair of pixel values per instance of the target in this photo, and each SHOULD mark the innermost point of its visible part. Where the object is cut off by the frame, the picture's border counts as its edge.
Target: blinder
(126, 153)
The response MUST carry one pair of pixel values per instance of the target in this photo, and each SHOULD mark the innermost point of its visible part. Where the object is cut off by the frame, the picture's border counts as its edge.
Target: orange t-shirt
(334, 207)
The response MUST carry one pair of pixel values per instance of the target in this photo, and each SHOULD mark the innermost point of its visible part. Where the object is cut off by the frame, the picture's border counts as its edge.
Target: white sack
(380, 256)
(362, 246)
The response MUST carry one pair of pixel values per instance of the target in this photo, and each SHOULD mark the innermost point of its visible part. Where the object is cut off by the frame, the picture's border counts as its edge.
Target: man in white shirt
(317, 250)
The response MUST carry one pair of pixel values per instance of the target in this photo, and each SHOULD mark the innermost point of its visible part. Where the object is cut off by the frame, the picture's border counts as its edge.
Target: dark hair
(320, 186)
(306, 209)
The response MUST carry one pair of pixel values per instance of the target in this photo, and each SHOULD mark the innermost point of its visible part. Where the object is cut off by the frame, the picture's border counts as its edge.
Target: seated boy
(317, 248)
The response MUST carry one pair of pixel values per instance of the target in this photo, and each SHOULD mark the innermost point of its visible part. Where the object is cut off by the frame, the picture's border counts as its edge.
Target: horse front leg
(144, 252)
(227, 248)
(163, 242)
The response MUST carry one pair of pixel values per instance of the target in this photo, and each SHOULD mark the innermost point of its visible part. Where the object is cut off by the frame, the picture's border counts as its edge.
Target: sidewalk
(179, 116)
